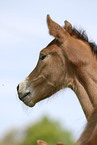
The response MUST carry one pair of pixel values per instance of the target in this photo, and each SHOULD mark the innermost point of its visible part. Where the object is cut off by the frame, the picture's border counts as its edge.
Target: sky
(23, 33)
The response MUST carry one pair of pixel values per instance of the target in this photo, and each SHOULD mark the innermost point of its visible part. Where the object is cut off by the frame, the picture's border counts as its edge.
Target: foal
(68, 61)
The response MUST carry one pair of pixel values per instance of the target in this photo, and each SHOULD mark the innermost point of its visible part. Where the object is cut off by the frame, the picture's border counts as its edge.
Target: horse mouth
(22, 96)
(26, 99)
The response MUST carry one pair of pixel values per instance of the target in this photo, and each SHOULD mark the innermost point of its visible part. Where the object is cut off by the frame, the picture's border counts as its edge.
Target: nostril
(18, 88)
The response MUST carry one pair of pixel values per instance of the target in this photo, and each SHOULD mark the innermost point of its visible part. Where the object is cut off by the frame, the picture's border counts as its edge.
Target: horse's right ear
(56, 30)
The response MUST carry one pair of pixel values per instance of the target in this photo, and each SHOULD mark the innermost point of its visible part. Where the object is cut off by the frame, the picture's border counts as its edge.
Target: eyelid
(42, 56)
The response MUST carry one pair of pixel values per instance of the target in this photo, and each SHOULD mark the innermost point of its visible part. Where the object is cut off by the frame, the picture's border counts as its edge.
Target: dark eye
(42, 56)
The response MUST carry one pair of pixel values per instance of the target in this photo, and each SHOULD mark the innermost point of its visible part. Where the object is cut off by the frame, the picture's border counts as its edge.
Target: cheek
(54, 73)
(42, 91)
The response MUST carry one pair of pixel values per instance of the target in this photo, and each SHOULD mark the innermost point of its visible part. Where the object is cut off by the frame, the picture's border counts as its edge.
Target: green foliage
(46, 130)
(10, 138)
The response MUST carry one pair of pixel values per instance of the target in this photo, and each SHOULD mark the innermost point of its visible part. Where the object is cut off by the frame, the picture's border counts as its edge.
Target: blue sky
(23, 33)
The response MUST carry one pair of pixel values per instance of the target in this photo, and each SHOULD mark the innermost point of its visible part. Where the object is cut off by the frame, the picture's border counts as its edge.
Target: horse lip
(22, 96)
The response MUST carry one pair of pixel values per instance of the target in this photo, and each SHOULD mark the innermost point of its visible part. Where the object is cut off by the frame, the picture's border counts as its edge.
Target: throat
(86, 88)
(89, 82)
(83, 98)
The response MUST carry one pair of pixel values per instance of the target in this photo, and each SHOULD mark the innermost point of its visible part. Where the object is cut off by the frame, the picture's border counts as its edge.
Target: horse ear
(68, 27)
(56, 30)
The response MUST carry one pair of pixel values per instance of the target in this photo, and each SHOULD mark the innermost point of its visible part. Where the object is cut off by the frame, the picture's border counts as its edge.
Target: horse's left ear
(68, 27)
(56, 30)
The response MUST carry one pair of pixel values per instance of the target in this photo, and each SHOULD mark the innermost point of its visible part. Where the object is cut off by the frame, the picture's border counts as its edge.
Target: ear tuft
(49, 21)
(48, 17)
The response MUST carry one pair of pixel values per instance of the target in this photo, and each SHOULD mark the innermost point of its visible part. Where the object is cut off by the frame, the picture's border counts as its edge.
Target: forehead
(52, 47)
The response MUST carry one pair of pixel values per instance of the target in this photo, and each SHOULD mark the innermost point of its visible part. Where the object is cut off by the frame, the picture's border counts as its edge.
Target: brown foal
(68, 61)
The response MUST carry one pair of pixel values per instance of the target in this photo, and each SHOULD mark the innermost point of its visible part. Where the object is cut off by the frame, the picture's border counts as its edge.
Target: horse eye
(42, 57)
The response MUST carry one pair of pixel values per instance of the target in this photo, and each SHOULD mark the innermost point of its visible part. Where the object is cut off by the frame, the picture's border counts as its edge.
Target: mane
(81, 34)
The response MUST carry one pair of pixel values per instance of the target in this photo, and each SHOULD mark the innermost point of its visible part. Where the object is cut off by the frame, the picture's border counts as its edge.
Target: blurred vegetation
(46, 130)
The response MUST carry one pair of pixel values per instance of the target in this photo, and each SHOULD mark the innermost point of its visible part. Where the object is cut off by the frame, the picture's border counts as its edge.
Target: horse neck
(86, 87)
(82, 97)
(72, 81)
(88, 80)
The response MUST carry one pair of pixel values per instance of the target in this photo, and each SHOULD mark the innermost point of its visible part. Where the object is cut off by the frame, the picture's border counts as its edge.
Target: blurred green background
(46, 130)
